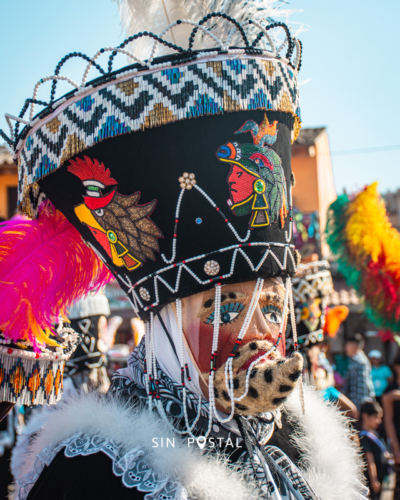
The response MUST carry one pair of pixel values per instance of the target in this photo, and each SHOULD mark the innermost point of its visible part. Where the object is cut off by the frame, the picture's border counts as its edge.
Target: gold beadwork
(73, 146)
(297, 257)
(128, 87)
(229, 103)
(160, 115)
(25, 206)
(53, 125)
(269, 67)
(216, 66)
(286, 104)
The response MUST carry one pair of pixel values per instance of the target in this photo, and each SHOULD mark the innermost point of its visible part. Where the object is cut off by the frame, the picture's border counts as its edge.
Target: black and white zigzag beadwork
(154, 99)
(188, 83)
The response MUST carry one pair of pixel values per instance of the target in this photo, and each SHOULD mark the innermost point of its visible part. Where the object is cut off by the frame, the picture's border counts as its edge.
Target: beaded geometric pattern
(153, 99)
(30, 381)
(312, 280)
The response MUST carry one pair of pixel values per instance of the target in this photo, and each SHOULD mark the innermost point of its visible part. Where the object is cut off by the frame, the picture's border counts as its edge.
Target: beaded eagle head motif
(121, 226)
(256, 180)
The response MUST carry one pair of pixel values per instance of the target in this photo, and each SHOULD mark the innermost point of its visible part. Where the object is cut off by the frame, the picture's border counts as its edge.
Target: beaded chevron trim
(30, 381)
(150, 294)
(150, 100)
(34, 377)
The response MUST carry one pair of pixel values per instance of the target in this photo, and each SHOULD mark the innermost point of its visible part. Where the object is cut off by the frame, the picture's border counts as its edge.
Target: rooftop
(5, 156)
(307, 136)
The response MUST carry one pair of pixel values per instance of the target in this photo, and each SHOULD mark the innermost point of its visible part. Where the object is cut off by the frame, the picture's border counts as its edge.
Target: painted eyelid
(271, 308)
(272, 305)
(230, 307)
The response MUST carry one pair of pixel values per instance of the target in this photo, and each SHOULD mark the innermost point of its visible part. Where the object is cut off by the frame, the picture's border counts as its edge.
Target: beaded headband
(154, 205)
(35, 378)
(311, 286)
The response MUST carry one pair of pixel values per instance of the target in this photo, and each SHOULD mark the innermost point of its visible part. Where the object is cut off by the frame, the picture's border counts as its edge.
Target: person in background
(391, 418)
(381, 374)
(358, 385)
(376, 455)
(324, 382)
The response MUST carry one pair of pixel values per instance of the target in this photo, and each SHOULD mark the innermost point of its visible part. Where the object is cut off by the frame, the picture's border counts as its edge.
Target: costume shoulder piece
(89, 424)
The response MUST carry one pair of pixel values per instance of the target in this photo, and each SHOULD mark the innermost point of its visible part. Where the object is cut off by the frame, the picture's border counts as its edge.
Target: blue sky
(350, 62)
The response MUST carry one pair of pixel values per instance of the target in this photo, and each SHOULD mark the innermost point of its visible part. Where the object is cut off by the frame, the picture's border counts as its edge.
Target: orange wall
(6, 180)
(315, 187)
(305, 192)
(326, 183)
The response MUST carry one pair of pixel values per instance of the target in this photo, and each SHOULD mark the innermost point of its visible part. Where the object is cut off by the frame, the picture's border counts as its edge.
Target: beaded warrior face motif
(256, 180)
(121, 226)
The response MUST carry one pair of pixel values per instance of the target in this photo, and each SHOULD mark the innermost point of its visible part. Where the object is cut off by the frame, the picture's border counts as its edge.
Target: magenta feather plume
(44, 267)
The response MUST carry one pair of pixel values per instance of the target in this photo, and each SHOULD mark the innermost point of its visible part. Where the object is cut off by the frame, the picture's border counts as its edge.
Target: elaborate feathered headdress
(156, 131)
(311, 287)
(164, 17)
(360, 234)
(44, 267)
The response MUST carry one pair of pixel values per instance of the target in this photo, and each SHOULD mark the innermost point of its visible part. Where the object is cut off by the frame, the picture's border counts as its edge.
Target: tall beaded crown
(311, 286)
(176, 168)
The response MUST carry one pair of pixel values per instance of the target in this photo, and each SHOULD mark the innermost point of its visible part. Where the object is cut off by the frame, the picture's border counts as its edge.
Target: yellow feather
(370, 233)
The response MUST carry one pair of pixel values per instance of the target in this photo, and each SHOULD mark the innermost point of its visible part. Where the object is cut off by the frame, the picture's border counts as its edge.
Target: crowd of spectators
(369, 393)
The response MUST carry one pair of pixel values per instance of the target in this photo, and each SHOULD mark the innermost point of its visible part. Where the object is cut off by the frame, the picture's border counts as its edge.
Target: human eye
(229, 312)
(272, 314)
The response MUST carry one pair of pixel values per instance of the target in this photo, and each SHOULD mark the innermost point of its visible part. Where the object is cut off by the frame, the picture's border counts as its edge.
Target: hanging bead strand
(185, 372)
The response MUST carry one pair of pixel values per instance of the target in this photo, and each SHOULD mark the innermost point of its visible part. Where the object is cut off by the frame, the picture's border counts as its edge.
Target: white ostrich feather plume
(155, 15)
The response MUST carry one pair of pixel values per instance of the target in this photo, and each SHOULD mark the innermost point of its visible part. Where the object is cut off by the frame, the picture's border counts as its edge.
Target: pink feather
(44, 267)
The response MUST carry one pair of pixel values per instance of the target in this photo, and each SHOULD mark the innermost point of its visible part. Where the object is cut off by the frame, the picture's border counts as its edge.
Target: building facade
(8, 184)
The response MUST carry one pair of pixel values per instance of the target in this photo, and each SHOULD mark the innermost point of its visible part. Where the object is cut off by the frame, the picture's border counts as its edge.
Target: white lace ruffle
(131, 467)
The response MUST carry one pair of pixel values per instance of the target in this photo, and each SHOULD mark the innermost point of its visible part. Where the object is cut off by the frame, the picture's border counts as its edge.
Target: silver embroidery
(131, 467)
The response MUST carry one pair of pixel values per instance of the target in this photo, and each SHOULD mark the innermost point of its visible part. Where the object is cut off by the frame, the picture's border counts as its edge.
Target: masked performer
(176, 171)
(45, 267)
(311, 287)
(86, 369)
(316, 326)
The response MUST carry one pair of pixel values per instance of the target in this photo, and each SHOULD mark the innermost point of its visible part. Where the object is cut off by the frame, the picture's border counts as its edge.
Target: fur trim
(19, 454)
(330, 460)
(203, 477)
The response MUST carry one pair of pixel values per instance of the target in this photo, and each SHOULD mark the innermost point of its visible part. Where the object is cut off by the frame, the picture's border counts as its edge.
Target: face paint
(198, 320)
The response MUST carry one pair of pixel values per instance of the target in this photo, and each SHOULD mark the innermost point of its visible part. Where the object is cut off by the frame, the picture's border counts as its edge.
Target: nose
(261, 329)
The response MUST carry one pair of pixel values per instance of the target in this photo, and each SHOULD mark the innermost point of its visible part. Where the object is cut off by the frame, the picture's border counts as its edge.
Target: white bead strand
(43, 80)
(177, 213)
(189, 428)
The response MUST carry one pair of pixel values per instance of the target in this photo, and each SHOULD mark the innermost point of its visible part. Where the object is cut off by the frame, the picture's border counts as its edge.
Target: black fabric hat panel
(87, 355)
(151, 165)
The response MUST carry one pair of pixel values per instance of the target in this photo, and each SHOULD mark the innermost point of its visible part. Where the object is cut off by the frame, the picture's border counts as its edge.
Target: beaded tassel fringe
(152, 383)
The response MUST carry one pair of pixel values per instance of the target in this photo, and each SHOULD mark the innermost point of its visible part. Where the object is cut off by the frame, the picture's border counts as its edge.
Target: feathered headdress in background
(156, 15)
(334, 317)
(44, 267)
(360, 234)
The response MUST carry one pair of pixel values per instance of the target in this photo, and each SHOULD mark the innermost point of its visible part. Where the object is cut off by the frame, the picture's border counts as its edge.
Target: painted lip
(259, 354)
